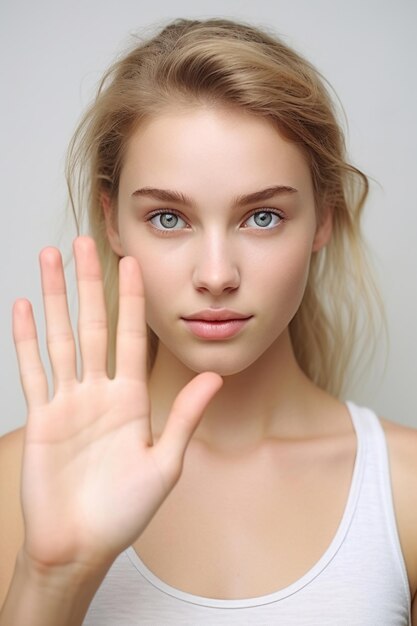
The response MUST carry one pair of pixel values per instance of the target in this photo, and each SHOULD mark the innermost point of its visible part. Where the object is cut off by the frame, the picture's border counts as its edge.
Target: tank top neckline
(312, 573)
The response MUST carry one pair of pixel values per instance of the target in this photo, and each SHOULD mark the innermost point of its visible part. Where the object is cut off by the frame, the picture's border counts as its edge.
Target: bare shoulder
(11, 521)
(13, 438)
(402, 449)
(402, 444)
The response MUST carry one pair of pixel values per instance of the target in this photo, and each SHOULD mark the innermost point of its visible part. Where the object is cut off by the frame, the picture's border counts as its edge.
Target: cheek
(286, 279)
(162, 282)
(297, 273)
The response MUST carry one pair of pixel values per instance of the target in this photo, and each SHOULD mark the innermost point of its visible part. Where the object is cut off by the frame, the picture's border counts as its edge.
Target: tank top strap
(376, 498)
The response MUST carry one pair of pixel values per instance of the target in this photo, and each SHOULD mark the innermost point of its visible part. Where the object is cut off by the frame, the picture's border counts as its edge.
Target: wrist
(49, 596)
(65, 577)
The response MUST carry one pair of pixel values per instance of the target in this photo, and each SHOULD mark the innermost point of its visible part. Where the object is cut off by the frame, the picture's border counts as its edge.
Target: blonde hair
(221, 62)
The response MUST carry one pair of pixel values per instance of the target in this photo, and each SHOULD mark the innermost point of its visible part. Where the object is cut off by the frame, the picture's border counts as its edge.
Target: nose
(215, 270)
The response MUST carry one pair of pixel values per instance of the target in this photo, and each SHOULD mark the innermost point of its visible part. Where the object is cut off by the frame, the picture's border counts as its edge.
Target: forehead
(206, 146)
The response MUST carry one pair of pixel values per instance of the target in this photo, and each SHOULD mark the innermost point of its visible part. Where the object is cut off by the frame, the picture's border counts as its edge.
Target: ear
(111, 228)
(323, 231)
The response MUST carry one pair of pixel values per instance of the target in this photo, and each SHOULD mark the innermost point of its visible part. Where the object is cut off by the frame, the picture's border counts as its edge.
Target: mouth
(216, 329)
(216, 315)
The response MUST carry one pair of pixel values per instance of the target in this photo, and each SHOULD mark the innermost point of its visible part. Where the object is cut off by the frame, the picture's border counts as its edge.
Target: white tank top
(360, 580)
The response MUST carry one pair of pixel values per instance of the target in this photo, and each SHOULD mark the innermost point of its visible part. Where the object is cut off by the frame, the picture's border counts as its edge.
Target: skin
(91, 447)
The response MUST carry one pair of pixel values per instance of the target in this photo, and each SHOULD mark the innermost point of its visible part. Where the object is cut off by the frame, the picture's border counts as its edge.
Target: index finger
(131, 337)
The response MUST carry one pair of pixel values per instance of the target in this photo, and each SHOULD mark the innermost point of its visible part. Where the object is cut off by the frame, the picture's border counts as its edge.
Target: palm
(85, 464)
(92, 477)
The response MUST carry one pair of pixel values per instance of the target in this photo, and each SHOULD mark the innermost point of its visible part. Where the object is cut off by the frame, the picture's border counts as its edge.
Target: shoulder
(402, 446)
(12, 439)
(11, 453)
(402, 450)
(11, 520)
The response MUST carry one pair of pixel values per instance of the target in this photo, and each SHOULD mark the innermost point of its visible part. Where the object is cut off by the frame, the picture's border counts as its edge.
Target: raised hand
(92, 478)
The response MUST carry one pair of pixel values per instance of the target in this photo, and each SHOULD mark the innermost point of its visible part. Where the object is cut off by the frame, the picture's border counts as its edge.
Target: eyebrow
(168, 195)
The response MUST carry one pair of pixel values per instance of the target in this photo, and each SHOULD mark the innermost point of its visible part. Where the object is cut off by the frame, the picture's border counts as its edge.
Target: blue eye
(264, 219)
(167, 220)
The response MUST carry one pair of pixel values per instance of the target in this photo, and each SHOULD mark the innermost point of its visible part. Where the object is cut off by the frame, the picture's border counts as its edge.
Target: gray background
(52, 53)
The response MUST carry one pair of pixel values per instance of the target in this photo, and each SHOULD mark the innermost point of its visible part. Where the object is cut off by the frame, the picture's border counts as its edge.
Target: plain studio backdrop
(52, 54)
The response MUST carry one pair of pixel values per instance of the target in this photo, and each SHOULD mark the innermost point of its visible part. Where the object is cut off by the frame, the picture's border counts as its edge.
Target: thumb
(185, 415)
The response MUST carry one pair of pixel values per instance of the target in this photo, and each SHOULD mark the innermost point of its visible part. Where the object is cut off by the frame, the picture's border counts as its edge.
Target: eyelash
(168, 231)
(272, 212)
(162, 231)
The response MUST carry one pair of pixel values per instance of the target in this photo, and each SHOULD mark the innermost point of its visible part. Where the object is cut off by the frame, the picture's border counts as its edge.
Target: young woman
(200, 466)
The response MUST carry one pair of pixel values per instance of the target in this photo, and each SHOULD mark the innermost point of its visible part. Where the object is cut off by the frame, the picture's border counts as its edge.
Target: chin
(226, 358)
(219, 364)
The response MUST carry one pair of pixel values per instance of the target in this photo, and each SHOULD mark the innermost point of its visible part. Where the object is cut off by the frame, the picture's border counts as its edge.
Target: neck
(272, 397)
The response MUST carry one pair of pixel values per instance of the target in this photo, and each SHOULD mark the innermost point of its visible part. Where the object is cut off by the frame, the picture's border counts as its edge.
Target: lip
(216, 324)
(216, 315)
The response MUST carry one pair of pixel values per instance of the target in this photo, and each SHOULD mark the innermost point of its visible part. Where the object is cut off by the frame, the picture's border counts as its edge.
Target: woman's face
(218, 208)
